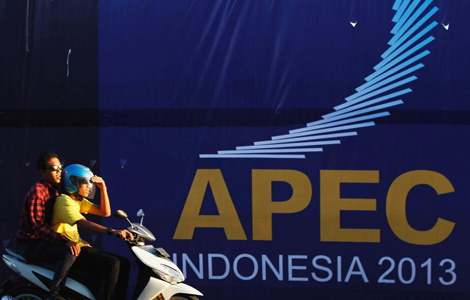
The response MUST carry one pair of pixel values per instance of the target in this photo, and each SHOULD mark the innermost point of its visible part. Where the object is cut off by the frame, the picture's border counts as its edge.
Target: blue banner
(284, 149)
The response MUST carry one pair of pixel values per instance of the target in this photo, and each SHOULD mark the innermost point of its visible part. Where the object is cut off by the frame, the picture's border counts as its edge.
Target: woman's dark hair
(42, 160)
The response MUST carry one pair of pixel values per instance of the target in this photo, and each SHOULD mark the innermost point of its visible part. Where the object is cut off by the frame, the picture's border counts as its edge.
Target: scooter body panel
(155, 262)
(29, 271)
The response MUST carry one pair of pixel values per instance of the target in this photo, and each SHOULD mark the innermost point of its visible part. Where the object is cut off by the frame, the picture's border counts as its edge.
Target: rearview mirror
(120, 214)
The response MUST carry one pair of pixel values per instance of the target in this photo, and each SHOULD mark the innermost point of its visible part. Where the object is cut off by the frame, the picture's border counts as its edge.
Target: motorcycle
(158, 277)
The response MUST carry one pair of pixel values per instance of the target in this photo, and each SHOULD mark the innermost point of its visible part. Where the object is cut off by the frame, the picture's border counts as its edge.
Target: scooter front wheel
(184, 298)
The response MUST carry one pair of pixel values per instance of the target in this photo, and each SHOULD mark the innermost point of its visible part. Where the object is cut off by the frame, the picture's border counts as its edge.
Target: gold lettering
(331, 205)
(227, 218)
(264, 207)
(396, 207)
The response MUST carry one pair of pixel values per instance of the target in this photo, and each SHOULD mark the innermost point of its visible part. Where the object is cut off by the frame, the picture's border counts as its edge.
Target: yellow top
(67, 212)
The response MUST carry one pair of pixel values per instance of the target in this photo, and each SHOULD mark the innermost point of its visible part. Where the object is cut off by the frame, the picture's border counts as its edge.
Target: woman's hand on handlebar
(124, 234)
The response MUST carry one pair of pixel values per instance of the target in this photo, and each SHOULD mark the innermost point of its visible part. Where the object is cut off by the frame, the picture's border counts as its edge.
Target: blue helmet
(74, 176)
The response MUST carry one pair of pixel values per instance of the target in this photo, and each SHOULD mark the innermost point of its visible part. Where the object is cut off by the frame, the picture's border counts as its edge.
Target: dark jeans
(60, 255)
(110, 271)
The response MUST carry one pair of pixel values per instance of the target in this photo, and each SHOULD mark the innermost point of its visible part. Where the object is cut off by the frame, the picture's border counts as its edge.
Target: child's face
(84, 190)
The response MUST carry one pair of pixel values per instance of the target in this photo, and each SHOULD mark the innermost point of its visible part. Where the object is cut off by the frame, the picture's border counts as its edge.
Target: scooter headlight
(169, 274)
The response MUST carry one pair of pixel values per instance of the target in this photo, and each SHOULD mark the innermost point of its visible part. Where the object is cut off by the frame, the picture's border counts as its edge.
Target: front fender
(156, 286)
(180, 288)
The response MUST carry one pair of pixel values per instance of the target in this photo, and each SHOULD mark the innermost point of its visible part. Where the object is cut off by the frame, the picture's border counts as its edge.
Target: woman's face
(84, 190)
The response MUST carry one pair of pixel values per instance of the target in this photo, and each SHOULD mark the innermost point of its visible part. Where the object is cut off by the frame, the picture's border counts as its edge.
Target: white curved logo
(382, 89)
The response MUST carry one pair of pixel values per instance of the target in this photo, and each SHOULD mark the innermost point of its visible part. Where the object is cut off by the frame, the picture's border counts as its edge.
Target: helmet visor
(92, 186)
(86, 188)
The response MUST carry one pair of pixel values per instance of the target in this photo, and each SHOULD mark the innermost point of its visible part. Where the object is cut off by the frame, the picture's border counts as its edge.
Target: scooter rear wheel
(184, 298)
(27, 293)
